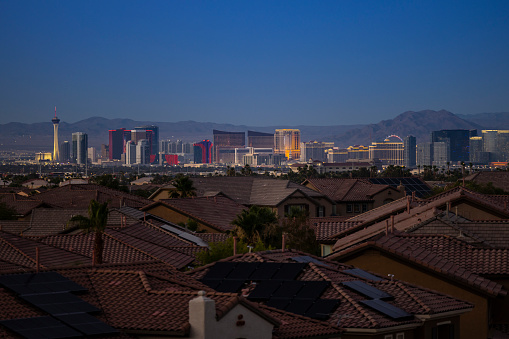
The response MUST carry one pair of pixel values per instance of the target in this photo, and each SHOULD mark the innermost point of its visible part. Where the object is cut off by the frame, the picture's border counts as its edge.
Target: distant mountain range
(39, 136)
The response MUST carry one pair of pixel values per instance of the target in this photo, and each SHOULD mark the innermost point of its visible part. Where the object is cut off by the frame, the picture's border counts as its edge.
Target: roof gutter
(351, 330)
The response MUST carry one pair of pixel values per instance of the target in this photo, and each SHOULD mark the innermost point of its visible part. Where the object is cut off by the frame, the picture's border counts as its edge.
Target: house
(361, 304)
(354, 196)
(212, 214)
(279, 195)
(139, 300)
(477, 275)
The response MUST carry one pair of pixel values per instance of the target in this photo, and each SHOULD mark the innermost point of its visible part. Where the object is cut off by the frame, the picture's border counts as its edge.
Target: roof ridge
(405, 288)
(131, 246)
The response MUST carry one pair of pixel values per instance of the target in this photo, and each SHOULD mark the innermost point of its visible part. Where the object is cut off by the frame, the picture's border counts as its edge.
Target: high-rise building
(92, 154)
(314, 150)
(203, 152)
(410, 151)
(130, 153)
(357, 152)
(287, 143)
(79, 148)
(424, 154)
(225, 144)
(459, 141)
(143, 152)
(477, 154)
(337, 155)
(65, 151)
(117, 142)
(389, 152)
(152, 137)
(260, 139)
(441, 153)
(56, 152)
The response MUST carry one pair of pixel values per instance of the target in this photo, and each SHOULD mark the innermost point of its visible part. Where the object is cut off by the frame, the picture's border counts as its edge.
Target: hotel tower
(55, 120)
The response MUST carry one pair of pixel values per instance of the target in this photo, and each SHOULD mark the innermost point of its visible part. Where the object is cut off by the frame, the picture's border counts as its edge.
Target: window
(443, 330)
(388, 336)
(320, 212)
(364, 207)
(349, 208)
(357, 208)
(400, 336)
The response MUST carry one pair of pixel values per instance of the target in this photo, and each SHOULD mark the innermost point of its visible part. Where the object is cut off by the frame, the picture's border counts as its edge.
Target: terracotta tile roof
(351, 315)
(499, 179)
(14, 226)
(22, 251)
(251, 190)
(213, 237)
(217, 212)
(325, 231)
(154, 299)
(429, 258)
(123, 246)
(339, 189)
(79, 196)
(23, 205)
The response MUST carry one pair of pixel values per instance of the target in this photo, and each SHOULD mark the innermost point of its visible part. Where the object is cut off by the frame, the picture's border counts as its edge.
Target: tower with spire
(56, 153)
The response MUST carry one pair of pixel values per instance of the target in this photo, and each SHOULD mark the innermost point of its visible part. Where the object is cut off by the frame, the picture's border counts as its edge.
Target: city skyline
(263, 63)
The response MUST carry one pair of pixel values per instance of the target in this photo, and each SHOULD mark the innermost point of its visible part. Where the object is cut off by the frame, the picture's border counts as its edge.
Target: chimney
(386, 226)
(202, 316)
(408, 204)
(392, 223)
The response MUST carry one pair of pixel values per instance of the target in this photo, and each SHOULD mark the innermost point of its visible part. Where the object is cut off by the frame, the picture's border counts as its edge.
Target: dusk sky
(258, 63)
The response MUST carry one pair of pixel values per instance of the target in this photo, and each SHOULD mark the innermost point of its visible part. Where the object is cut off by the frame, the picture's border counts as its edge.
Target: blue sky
(258, 63)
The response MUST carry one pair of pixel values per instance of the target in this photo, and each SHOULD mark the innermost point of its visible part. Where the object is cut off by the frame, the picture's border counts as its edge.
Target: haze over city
(254, 63)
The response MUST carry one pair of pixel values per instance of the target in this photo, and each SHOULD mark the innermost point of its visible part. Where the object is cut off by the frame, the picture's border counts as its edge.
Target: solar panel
(289, 271)
(387, 309)
(322, 308)
(288, 289)
(312, 290)
(220, 270)
(308, 259)
(299, 306)
(44, 282)
(87, 324)
(265, 271)
(363, 274)
(411, 184)
(264, 290)
(212, 283)
(230, 286)
(59, 303)
(278, 303)
(242, 270)
(41, 327)
(366, 290)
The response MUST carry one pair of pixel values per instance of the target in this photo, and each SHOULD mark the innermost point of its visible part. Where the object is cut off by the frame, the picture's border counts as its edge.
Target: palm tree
(184, 188)
(96, 222)
(251, 224)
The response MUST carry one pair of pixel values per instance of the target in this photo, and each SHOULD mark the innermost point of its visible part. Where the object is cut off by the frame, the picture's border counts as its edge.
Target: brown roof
(413, 299)
(216, 212)
(79, 196)
(21, 204)
(137, 242)
(339, 189)
(429, 258)
(154, 299)
(499, 179)
(252, 190)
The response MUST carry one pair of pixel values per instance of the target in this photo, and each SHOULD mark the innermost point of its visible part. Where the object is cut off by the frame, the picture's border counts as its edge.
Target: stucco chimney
(202, 316)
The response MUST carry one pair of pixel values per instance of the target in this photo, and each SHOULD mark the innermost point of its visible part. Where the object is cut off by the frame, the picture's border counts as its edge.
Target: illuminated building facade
(388, 152)
(287, 143)
(143, 152)
(358, 152)
(203, 152)
(337, 155)
(260, 139)
(130, 153)
(225, 144)
(56, 152)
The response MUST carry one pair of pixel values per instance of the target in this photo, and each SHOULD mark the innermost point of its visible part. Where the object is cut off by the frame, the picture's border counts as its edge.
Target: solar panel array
(51, 293)
(276, 285)
(363, 274)
(411, 184)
